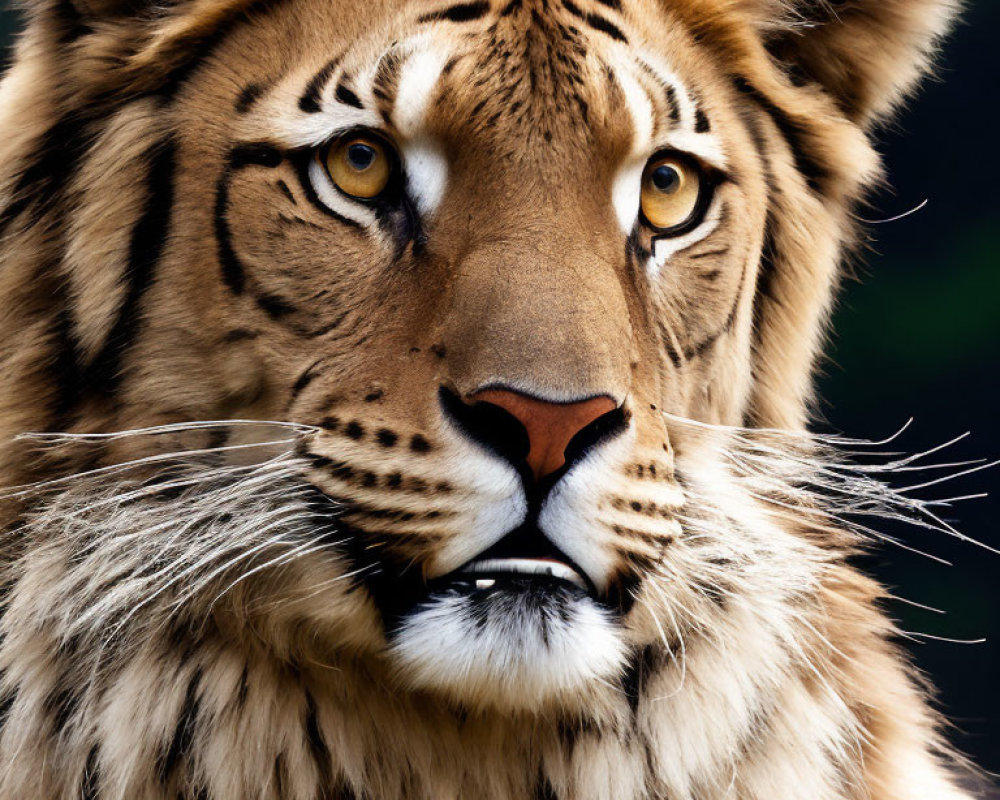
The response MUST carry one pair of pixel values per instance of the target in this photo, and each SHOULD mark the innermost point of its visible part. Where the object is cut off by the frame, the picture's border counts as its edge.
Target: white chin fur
(507, 650)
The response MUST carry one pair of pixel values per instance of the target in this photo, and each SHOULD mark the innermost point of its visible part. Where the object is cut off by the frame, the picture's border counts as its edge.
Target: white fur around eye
(334, 199)
(426, 173)
(419, 78)
(665, 248)
(626, 193)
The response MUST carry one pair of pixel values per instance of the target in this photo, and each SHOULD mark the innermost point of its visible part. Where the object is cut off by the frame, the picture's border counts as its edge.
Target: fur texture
(231, 545)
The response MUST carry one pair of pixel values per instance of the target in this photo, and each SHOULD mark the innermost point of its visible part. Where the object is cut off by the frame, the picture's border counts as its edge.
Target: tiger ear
(867, 54)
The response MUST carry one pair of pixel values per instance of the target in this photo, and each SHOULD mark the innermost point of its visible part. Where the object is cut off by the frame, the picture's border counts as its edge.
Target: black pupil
(666, 179)
(360, 156)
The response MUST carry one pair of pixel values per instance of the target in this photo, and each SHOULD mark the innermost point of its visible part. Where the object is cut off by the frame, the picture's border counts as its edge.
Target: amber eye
(671, 187)
(359, 164)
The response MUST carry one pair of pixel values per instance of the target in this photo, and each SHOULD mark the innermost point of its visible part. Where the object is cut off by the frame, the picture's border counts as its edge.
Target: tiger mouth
(523, 563)
(487, 573)
(523, 558)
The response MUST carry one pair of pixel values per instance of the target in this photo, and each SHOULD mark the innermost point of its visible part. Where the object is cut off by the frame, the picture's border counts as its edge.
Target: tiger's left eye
(671, 187)
(359, 165)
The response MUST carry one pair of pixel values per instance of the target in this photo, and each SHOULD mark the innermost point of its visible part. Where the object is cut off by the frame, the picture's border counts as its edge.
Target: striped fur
(240, 377)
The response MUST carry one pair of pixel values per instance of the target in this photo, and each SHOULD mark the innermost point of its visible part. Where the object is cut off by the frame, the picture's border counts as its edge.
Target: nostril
(488, 424)
(522, 428)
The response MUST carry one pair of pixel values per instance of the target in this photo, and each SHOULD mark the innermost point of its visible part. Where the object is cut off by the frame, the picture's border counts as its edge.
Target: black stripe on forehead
(201, 46)
(460, 12)
(668, 91)
(596, 21)
(309, 102)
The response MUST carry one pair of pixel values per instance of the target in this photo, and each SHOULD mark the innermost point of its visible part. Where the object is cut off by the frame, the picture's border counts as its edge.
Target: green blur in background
(918, 335)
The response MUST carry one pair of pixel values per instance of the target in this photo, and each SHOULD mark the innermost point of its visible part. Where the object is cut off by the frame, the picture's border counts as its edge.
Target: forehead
(554, 73)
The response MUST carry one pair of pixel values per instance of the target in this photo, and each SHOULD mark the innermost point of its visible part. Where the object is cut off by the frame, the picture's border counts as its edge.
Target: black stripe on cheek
(149, 237)
(347, 97)
(255, 154)
(249, 95)
(461, 12)
(308, 376)
(767, 271)
(769, 256)
(309, 102)
(57, 156)
(260, 154)
(274, 306)
(815, 173)
(701, 123)
(65, 367)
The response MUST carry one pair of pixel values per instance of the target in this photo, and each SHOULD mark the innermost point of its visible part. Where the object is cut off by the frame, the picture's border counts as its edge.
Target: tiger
(411, 400)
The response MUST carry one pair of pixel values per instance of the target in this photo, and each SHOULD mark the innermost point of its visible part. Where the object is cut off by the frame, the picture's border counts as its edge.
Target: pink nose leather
(550, 426)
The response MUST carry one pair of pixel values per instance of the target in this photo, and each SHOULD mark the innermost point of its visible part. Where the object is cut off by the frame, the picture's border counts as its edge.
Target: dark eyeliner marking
(309, 102)
(303, 160)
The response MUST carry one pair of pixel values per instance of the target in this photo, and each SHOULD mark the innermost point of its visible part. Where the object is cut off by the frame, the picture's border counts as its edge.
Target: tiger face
(488, 252)
(482, 250)
(514, 272)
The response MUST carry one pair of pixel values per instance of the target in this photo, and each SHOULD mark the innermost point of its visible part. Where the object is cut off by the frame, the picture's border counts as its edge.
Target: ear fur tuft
(867, 54)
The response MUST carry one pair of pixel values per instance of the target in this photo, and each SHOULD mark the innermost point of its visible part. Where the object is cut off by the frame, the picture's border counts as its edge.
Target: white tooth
(527, 566)
(485, 583)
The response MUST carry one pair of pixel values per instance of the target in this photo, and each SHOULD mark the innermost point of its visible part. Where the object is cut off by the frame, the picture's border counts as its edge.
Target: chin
(517, 643)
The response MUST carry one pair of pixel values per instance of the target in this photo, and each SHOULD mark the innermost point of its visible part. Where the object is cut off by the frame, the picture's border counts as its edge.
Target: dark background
(919, 335)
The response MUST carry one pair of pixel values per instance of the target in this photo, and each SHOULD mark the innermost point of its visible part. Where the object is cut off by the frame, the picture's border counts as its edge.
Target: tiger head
(511, 265)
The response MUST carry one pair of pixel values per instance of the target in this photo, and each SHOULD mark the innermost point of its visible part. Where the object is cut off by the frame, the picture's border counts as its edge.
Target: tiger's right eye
(671, 189)
(360, 165)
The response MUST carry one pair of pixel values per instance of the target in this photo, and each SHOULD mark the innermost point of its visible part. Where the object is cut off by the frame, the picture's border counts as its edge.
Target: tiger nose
(549, 426)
